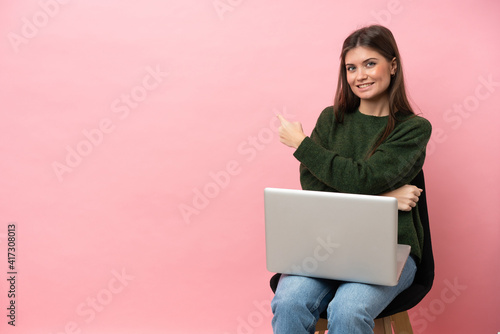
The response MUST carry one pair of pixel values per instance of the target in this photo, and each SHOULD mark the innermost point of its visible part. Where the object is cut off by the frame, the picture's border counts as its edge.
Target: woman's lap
(300, 300)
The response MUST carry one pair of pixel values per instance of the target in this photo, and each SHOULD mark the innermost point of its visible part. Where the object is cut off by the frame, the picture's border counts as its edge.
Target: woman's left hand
(406, 195)
(291, 133)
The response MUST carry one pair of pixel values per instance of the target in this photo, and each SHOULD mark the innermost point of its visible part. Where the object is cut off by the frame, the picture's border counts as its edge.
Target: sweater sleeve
(395, 162)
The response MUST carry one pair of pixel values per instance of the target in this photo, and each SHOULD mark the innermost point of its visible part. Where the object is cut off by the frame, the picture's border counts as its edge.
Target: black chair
(395, 314)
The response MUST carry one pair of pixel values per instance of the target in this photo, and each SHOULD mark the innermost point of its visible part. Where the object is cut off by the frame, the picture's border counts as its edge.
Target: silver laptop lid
(332, 235)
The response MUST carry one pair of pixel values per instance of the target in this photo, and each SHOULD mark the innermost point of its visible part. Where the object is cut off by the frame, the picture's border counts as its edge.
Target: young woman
(369, 142)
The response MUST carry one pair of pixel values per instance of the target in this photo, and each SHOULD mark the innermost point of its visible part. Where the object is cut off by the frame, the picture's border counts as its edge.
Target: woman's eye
(370, 64)
(350, 68)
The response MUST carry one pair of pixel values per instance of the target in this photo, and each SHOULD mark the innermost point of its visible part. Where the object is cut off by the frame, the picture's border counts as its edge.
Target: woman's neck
(379, 107)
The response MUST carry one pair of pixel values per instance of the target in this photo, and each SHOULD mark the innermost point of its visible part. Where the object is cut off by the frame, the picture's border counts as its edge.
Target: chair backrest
(424, 277)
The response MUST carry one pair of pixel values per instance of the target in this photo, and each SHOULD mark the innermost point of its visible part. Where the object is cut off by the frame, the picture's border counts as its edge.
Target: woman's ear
(394, 66)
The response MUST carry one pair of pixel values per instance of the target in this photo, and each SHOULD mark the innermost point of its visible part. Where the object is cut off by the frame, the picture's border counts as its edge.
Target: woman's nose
(361, 75)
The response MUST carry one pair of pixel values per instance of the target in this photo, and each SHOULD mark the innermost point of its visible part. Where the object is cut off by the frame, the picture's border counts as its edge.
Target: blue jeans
(351, 307)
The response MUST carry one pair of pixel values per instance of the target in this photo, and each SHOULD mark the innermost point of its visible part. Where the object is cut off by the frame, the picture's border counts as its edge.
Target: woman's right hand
(406, 195)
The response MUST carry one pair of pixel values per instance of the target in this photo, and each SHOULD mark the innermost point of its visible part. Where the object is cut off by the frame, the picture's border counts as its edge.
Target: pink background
(100, 157)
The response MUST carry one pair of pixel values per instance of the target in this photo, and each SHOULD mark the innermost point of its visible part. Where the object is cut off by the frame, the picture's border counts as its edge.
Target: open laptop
(329, 235)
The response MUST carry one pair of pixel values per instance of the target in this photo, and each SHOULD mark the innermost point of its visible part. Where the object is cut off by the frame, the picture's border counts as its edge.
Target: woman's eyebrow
(364, 61)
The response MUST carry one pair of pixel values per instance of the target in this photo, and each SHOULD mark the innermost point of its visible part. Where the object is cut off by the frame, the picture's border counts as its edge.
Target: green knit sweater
(335, 158)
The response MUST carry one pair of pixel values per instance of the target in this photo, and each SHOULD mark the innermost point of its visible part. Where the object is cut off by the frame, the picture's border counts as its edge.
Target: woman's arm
(394, 164)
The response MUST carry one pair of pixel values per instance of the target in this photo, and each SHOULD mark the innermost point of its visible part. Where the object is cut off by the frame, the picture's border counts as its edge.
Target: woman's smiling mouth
(365, 85)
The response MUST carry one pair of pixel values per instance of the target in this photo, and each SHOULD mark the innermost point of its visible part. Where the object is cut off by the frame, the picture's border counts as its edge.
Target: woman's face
(368, 73)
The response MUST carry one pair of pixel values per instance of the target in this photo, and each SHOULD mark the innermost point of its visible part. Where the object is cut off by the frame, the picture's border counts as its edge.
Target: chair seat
(399, 322)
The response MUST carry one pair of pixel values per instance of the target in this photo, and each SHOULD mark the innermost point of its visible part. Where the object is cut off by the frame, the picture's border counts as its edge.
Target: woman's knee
(299, 294)
(288, 299)
(288, 305)
(349, 313)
